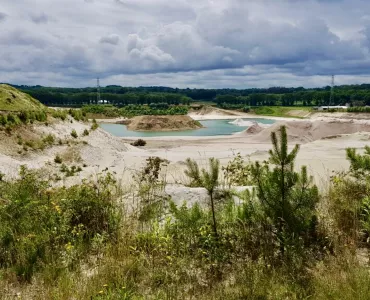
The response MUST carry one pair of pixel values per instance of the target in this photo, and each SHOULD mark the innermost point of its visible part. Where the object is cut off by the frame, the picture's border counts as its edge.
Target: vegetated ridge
(163, 123)
(12, 99)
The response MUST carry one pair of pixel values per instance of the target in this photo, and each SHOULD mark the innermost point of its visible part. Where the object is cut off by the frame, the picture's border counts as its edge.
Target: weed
(74, 134)
(58, 159)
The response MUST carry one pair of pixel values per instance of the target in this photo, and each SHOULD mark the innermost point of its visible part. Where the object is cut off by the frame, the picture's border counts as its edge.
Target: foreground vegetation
(99, 240)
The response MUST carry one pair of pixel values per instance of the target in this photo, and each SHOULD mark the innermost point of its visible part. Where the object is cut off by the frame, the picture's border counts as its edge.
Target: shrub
(86, 132)
(74, 134)
(139, 143)
(49, 139)
(58, 159)
(206, 179)
(94, 125)
(40, 226)
(3, 120)
(238, 172)
(24, 116)
(288, 198)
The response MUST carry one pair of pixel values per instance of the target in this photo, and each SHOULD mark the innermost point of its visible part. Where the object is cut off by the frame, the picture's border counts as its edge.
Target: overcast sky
(185, 43)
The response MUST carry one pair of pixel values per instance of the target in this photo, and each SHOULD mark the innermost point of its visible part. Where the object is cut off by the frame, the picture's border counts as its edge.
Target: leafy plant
(237, 172)
(206, 179)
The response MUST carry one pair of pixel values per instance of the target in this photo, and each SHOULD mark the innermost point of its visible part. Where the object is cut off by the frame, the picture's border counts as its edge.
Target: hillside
(163, 123)
(12, 99)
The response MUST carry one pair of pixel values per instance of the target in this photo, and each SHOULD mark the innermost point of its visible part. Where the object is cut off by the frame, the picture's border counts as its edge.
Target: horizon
(171, 87)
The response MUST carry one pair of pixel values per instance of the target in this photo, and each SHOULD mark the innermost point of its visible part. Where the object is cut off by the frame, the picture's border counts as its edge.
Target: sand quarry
(323, 139)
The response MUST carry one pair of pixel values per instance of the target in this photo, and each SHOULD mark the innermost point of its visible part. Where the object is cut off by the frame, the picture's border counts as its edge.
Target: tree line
(355, 95)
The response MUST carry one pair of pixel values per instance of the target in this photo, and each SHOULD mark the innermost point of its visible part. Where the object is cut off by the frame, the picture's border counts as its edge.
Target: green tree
(206, 179)
(288, 198)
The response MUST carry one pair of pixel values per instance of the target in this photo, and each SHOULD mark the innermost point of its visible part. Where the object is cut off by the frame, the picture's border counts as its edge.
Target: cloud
(3, 16)
(112, 39)
(39, 18)
(203, 43)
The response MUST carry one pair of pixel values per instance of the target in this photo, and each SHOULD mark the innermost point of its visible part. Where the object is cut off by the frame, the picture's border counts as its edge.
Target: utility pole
(332, 90)
(98, 91)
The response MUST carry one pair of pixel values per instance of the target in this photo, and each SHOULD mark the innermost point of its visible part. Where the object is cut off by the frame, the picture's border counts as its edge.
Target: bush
(58, 159)
(49, 139)
(77, 114)
(40, 226)
(94, 125)
(139, 143)
(74, 134)
(86, 132)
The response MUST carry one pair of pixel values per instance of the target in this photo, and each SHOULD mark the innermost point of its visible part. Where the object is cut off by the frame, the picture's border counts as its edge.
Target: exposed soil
(163, 123)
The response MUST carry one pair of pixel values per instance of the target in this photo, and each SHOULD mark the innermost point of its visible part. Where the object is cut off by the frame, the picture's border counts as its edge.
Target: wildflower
(69, 246)
(101, 292)
(58, 209)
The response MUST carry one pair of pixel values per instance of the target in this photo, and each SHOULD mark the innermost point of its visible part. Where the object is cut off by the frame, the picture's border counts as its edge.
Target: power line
(98, 90)
(332, 89)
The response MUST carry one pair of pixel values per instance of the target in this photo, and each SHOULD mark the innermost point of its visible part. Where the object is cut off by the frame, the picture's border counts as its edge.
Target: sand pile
(163, 123)
(212, 111)
(254, 129)
(309, 131)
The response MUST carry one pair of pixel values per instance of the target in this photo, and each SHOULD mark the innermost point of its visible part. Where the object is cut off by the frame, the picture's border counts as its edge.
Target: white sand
(322, 156)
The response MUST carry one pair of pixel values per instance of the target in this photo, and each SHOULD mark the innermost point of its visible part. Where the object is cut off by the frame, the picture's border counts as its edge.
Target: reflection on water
(212, 128)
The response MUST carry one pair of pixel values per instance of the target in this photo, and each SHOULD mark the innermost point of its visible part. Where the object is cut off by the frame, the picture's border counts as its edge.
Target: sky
(185, 43)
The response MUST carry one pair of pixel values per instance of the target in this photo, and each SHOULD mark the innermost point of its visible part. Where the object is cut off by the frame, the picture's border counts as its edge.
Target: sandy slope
(214, 113)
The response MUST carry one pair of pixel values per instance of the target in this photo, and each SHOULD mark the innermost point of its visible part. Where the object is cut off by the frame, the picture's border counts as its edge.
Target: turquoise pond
(212, 128)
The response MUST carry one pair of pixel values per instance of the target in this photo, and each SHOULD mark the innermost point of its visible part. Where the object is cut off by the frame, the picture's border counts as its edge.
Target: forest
(355, 95)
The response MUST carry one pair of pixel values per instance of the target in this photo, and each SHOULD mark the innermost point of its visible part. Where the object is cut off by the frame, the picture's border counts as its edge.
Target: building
(327, 107)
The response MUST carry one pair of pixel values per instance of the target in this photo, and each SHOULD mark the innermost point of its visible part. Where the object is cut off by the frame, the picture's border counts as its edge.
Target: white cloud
(112, 39)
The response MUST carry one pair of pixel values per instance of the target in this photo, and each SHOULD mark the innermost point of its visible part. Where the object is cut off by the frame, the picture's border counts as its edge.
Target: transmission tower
(98, 91)
(332, 89)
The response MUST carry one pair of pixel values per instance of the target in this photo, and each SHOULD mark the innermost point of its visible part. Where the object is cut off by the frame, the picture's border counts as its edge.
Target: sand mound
(212, 111)
(163, 123)
(309, 131)
(12, 99)
(254, 129)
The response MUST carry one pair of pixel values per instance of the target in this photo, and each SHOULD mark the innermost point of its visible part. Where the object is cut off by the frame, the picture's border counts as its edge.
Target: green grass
(282, 111)
(12, 99)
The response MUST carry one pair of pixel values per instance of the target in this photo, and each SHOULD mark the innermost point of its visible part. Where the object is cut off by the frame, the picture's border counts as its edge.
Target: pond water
(212, 128)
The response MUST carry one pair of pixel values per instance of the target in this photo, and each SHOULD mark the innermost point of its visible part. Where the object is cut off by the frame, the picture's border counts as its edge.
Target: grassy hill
(12, 99)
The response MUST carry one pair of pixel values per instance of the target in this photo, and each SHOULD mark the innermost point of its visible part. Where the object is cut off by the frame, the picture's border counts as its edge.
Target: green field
(282, 111)
(12, 99)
